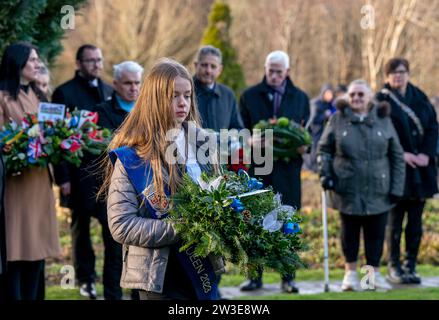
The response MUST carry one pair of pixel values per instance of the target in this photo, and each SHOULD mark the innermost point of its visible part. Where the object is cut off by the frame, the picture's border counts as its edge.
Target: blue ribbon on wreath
(237, 205)
(291, 228)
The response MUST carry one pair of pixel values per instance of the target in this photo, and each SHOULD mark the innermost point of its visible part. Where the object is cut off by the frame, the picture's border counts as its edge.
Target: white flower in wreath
(34, 131)
(210, 186)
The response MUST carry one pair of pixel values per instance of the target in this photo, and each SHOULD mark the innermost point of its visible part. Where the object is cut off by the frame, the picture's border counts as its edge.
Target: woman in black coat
(414, 119)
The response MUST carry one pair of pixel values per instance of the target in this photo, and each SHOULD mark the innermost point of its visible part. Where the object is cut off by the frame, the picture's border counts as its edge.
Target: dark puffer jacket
(365, 159)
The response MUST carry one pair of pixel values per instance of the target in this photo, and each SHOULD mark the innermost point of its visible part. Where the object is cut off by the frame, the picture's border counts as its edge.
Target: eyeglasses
(398, 72)
(92, 61)
(359, 94)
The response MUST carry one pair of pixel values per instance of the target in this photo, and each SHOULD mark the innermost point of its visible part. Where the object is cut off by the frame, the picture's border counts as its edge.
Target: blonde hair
(146, 126)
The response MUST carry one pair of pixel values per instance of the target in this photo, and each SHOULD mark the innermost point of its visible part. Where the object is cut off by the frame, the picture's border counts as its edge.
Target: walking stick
(325, 241)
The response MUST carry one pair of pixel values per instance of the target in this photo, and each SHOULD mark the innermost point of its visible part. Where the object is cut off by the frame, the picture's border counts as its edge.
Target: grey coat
(365, 159)
(146, 241)
(217, 107)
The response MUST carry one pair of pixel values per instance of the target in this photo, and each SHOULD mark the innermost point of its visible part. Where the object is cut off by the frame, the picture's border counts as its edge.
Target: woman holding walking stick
(361, 163)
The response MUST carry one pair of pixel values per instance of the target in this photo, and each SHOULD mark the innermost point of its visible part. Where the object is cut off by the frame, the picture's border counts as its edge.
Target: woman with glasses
(361, 163)
(415, 122)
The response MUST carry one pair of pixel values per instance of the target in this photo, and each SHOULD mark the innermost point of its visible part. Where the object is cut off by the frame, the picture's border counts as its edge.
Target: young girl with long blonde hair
(141, 179)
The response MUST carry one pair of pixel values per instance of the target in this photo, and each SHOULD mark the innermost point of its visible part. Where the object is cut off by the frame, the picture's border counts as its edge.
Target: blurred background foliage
(328, 40)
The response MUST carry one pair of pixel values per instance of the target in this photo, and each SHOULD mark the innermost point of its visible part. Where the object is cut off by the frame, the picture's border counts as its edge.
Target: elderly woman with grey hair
(361, 163)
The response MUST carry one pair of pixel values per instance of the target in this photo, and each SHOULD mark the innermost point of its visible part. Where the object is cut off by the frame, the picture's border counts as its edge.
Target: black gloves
(393, 198)
(327, 183)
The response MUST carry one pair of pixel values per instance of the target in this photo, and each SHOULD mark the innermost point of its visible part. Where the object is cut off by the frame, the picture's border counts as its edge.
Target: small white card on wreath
(50, 111)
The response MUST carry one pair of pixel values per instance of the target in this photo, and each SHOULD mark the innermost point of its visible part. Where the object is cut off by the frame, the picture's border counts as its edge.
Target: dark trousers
(84, 257)
(3, 294)
(22, 279)
(41, 295)
(285, 179)
(413, 231)
(285, 277)
(374, 228)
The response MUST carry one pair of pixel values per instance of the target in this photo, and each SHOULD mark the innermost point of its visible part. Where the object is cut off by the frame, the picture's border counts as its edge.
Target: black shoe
(251, 285)
(289, 287)
(88, 290)
(396, 275)
(412, 276)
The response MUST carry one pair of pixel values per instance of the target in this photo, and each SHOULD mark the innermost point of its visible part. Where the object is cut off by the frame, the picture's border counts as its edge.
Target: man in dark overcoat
(276, 96)
(79, 185)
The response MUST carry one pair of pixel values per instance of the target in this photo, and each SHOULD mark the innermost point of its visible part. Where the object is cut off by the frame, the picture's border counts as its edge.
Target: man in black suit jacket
(79, 185)
(276, 96)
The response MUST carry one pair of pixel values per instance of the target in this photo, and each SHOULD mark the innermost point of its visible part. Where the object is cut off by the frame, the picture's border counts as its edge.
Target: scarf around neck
(278, 92)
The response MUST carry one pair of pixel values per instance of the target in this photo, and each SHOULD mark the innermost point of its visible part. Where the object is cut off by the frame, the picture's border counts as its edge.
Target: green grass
(235, 279)
(406, 294)
(55, 292)
(58, 293)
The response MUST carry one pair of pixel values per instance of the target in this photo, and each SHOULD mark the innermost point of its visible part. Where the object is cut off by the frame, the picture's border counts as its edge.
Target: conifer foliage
(217, 35)
(36, 21)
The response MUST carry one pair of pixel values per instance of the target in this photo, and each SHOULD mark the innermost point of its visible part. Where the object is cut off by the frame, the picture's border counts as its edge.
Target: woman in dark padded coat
(361, 163)
(415, 122)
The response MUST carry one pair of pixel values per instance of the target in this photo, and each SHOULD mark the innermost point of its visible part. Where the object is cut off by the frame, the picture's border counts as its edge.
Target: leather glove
(327, 183)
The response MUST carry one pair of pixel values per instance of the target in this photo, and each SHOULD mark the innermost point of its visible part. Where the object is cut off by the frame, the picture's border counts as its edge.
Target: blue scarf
(127, 106)
(199, 270)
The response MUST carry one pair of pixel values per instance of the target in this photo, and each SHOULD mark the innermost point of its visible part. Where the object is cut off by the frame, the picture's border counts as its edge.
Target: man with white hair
(276, 96)
(126, 82)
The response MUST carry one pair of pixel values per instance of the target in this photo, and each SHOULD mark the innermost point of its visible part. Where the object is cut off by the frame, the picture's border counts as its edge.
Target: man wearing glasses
(78, 186)
(86, 89)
